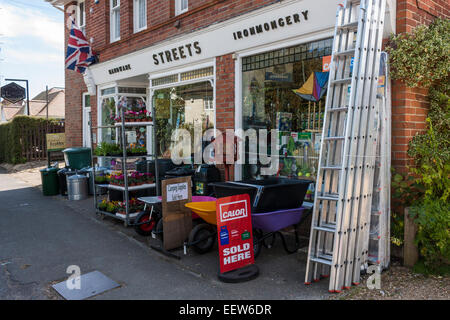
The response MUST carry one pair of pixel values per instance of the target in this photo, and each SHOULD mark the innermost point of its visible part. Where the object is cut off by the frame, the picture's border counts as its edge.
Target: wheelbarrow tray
(267, 195)
(277, 220)
(206, 210)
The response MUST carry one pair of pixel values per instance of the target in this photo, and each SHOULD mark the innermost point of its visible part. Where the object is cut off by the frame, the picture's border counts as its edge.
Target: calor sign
(234, 230)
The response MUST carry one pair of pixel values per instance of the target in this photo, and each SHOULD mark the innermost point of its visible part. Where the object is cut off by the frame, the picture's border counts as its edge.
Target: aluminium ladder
(337, 246)
(379, 241)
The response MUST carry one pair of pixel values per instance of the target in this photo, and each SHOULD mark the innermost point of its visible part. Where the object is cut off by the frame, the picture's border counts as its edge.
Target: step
(352, 26)
(329, 197)
(340, 109)
(331, 168)
(345, 53)
(333, 138)
(323, 259)
(341, 81)
(326, 227)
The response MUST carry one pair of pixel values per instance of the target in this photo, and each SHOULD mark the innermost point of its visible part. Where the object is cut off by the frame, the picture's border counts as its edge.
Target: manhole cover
(91, 284)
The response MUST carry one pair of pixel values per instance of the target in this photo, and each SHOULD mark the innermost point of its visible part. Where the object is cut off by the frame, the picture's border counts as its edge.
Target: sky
(31, 44)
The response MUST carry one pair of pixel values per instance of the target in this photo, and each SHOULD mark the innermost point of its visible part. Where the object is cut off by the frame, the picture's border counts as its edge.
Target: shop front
(278, 57)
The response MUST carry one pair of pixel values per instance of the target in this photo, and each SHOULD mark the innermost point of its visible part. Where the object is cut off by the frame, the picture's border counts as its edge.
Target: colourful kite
(314, 88)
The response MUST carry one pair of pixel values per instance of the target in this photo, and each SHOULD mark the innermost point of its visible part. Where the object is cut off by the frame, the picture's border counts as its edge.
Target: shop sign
(177, 192)
(274, 25)
(56, 141)
(13, 92)
(234, 230)
(119, 69)
(279, 77)
(326, 62)
(178, 53)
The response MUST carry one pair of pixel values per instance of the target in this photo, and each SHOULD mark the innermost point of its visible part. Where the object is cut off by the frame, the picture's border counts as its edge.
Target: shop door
(86, 111)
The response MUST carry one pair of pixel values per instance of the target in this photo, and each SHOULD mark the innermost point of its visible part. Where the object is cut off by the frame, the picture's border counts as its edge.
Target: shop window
(165, 80)
(133, 90)
(181, 6)
(82, 16)
(271, 100)
(182, 107)
(114, 20)
(140, 15)
(196, 74)
(108, 106)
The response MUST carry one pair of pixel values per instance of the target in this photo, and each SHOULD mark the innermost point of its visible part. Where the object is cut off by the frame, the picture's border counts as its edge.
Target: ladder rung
(326, 227)
(345, 53)
(349, 26)
(331, 168)
(341, 81)
(323, 259)
(330, 197)
(338, 109)
(333, 138)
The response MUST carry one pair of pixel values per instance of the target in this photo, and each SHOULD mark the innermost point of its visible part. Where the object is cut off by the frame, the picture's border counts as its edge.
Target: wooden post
(411, 252)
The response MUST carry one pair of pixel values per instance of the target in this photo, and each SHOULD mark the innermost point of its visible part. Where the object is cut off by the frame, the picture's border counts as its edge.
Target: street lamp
(28, 93)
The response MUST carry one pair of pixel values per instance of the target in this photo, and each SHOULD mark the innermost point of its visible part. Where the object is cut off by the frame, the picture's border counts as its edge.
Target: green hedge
(13, 139)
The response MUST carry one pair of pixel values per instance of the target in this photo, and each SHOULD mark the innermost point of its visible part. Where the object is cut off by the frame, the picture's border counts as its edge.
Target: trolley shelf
(130, 188)
(121, 157)
(126, 124)
(134, 124)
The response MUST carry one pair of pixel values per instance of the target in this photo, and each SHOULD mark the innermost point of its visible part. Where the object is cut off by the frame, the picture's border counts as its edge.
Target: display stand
(124, 157)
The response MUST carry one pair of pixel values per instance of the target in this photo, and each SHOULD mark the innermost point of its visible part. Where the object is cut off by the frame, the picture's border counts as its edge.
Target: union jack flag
(79, 53)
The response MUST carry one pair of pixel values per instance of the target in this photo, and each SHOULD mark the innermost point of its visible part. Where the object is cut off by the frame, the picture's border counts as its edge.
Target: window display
(285, 90)
(182, 107)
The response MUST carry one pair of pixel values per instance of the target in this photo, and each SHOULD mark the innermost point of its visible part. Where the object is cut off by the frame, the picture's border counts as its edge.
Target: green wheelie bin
(50, 182)
(77, 158)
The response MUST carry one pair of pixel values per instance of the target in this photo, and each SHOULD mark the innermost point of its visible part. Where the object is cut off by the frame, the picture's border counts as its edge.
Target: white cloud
(23, 57)
(18, 22)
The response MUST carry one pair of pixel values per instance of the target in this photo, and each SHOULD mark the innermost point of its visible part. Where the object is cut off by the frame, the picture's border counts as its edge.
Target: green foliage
(108, 149)
(405, 192)
(431, 150)
(421, 58)
(13, 140)
(433, 235)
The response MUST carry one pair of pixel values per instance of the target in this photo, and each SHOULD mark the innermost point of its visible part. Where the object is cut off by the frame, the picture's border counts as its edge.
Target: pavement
(40, 237)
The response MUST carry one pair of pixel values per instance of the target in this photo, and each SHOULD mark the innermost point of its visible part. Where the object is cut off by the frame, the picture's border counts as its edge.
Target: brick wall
(410, 105)
(160, 26)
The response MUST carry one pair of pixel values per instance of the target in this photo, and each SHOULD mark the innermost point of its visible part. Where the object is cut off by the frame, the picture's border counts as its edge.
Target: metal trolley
(124, 157)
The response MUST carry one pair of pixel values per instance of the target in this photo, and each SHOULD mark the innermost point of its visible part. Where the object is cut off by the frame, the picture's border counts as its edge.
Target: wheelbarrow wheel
(257, 243)
(143, 224)
(202, 238)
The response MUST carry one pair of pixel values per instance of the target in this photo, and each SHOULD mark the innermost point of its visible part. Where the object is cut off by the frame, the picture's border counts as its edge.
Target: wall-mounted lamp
(177, 24)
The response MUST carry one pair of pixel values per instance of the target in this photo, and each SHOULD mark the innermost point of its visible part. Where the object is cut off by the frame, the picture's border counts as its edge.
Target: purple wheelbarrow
(269, 224)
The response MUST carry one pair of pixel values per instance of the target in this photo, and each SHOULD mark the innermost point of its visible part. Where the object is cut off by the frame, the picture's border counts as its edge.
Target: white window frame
(178, 7)
(81, 24)
(136, 15)
(112, 15)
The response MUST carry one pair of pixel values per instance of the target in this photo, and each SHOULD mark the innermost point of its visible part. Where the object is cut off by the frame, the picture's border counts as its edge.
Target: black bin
(204, 176)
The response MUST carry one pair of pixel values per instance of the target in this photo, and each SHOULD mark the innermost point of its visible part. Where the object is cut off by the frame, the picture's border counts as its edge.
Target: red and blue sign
(234, 230)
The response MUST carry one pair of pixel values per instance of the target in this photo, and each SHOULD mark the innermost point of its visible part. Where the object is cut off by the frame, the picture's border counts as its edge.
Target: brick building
(223, 63)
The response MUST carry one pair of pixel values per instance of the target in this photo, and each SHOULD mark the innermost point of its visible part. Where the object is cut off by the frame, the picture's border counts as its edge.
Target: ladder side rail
(334, 148)
(316, 207)
(370, 147)
(359, 141)
(346, 180)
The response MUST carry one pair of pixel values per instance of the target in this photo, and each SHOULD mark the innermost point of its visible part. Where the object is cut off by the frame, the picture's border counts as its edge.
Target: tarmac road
(41, 236)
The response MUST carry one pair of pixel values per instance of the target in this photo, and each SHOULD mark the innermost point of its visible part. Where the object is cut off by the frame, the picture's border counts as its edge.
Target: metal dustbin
(50, 183)
(77, 187)
(77, 158)
(62, 177)
(99, 172)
